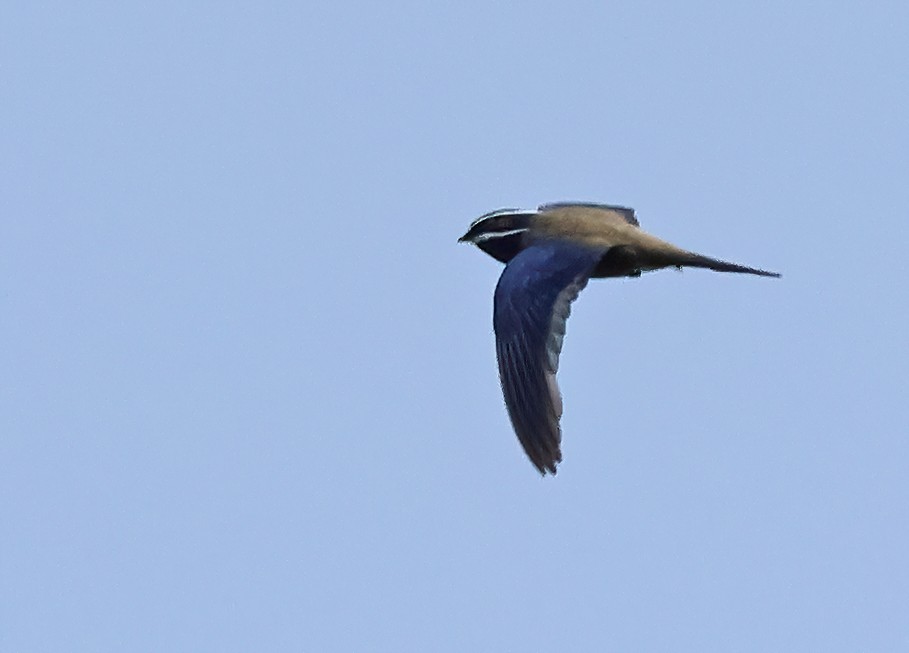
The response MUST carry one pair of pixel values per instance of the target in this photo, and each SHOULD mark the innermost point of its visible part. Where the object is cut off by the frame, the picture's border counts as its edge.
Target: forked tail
(698, 261)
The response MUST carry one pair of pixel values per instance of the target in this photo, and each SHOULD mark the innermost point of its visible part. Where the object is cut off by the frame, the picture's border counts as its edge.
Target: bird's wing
(532, 303)
(605, 210)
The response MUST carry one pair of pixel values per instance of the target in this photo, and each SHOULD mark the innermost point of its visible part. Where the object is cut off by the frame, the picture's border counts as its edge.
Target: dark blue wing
(532, 303)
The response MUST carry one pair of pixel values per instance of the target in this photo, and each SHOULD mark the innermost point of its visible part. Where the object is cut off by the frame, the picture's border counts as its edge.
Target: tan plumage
(611, 227)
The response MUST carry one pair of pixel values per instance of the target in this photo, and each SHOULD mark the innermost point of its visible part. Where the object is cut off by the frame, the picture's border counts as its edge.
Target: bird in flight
(549, 255)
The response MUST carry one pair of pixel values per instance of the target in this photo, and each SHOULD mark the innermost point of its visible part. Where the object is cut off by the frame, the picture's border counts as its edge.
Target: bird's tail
(690, 259)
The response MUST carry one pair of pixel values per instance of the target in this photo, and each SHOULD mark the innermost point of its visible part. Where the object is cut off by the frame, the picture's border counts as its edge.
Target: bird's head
(501, 234)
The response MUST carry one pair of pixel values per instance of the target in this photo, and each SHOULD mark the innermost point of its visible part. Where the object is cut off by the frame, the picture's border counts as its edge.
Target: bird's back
(599, 226)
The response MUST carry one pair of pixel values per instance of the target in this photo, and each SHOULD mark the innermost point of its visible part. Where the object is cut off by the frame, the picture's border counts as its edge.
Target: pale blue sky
(248, 393)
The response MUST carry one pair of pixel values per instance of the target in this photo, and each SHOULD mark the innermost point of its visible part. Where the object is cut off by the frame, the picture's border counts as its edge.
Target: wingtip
(546, 462)
(545, 469)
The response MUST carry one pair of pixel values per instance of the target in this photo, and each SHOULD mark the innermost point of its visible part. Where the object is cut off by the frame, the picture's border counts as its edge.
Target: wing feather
(626, 213)
(532, 304)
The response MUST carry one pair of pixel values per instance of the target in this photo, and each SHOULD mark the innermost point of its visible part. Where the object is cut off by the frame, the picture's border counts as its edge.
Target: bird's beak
(465, 238)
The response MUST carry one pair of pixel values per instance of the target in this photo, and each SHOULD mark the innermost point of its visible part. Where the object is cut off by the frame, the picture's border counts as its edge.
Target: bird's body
(550, 254)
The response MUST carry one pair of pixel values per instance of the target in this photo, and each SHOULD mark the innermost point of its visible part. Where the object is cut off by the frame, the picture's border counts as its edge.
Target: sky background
(248, 392)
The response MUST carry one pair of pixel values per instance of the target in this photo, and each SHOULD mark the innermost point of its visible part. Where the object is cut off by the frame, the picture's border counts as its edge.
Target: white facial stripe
(498, 234)
(495, 214)
(499, 213)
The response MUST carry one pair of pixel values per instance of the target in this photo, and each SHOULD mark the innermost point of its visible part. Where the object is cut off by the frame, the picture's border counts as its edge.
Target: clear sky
(248, 392)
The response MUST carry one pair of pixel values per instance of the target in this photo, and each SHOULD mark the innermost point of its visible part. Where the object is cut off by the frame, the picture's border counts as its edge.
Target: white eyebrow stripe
(501, 212)
(495, 214)
(498, 234)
